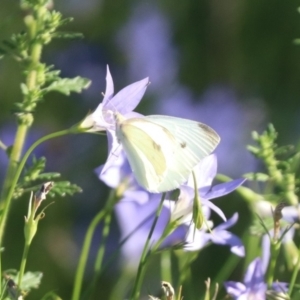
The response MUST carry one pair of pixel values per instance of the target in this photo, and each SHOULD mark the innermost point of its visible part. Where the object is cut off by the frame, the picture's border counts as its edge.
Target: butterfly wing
(193, 142)
(162, 150)
(142, 141)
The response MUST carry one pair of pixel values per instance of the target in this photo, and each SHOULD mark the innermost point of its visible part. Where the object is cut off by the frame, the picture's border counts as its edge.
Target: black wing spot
(183, 144)
(156, 146)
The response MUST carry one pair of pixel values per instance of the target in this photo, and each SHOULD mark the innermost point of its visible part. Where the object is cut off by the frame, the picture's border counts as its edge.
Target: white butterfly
(163, 150)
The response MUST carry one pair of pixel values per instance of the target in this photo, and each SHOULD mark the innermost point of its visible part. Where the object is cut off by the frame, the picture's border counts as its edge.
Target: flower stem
(87, 244)
(101, 251)
(141, 270)
(24, 122)
(294, 275)
(11, 170)
(23, 263)
(17, 174)
(275, 248)
(84, 254)
(165, 266)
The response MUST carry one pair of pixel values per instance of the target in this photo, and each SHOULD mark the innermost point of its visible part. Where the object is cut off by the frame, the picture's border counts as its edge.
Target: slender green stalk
(141, 270)
(24, 123)
(11, 170)
(185, 274)
(87, 244)
(165, 265)
(275, 248)
(23, 263)
(0, 272)
(100, 254)
(294, 275)
(84, 254)
(18, 171)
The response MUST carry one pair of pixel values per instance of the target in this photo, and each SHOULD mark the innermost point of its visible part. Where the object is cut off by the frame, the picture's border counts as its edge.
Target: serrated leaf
(284, 149)
(48, 176)
(24, 89)
(32, 173)
(254, 150)
(67, 35)
(31, 280)
(9, 44)
(68, 85)
(257, 176)
(64, 188)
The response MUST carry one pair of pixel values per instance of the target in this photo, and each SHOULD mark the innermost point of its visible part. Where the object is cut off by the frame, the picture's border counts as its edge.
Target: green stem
(84, 254)
(165, 265)
(14, 180)
(141, 270)
(87, 244)
(275, 248)
(1, 272)
(25, 122)
(101, 251)
(11, 170)
(185, 274)
(23, 263)
(294, 275)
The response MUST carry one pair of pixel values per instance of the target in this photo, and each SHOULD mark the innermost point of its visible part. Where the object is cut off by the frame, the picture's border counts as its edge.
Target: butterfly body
(163, 150)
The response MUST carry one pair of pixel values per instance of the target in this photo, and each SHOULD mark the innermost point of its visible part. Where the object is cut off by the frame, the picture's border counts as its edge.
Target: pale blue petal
(128, 98)
(114, 149)
(223, 189)
(98, 121)
(205, 172)
(196, 239)
(235, 289)
(214, 208)
(254, 275)
(114, 173)
(109, 91)
(224, 237)
(291, 213)
(229, 223)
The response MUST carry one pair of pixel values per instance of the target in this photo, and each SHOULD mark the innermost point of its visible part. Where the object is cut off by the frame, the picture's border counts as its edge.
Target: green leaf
(67, 35)
(31, 280)
(288, 149)
(68, 85)
(63, 188)
(32, 173)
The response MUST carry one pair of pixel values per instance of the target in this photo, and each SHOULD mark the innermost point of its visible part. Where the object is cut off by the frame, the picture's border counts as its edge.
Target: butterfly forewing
(162, 150)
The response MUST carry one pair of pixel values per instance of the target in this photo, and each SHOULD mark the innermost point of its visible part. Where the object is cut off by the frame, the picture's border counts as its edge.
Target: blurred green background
(231, 64)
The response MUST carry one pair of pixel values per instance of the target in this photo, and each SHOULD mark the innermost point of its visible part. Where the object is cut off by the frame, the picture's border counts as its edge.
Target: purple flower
(254, 286)
(135, 214)
(197, 239)
(119, 175)
(135, 221)
(205, 172)
(103, 117)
